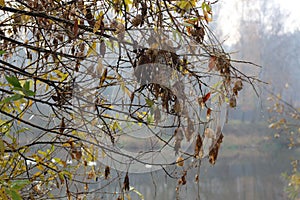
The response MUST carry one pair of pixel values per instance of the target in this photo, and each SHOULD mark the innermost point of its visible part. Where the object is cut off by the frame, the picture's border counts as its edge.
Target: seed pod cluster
(137, 20)
(238, 86)
(198, 34)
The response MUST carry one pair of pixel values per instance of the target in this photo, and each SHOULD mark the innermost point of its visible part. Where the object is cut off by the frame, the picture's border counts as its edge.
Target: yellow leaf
(125, 89)
(3, 193)
(99, 67)
(39, 173)
(128, 196)
(60, 74)
(103, 77)
(2, 3)
(30, 102)
(40, 167)
(2, 148)
(92, 49)
(180, 161)
(103, 154)
(128, 3)
(98, 22)
(97, 25)
(66, 144)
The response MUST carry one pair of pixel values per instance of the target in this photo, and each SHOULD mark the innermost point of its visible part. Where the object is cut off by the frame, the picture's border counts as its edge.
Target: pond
(249, 168)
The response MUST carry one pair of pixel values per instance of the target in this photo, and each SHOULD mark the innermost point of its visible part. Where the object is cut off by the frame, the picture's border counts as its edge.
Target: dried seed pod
(238, 85)
(137, 20)
(232, 101)
(198, 34)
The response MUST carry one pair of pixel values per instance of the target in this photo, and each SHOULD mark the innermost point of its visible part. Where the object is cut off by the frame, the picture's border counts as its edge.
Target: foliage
(80, 80)
(284, 120)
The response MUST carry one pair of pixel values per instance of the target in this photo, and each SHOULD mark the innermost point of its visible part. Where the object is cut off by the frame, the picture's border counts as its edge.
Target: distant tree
(285, 120)
(87, 86)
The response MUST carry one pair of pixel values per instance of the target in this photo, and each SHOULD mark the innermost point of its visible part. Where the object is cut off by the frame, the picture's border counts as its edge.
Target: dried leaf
(209, 133)
(92, 50)
(206, 97)
(238, 85)
(203, 99)
(177, 107)
(137, 20)
(232, 101)
(178, 138)
(198, 33)
(177, 146)
(75, 28)
(182, 180)
(180, 161)
(102, 48)
(103, 77)
(208, 112)
(2, 3)
(99, 67)
(99, 24)
(78, 155)
(91, 174)
(197, 178)
(126, 182)
(214, 149)
(207, 17)
(189, 130)
(62, 125)
(106, 172)
(120, 31)
(198, 147)
(157, 116)
(89, 16)
(211, 63)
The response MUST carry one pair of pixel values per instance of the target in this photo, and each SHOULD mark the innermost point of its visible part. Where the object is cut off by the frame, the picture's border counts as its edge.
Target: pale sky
(293, 8)
(232, 10)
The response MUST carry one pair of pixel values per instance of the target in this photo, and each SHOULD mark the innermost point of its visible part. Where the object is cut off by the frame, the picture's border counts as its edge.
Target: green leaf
(22, 130)
(28, 92)
(187, 24)
(18, 88)
(19, 184)
(14, 194)
(14, 81)
(2, 52)
(12, 98)
(150, 119)
(149, 102)
(26, 85)
(137, 192)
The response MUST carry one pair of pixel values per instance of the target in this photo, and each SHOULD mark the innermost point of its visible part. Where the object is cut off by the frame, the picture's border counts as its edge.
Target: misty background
(252, 160)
